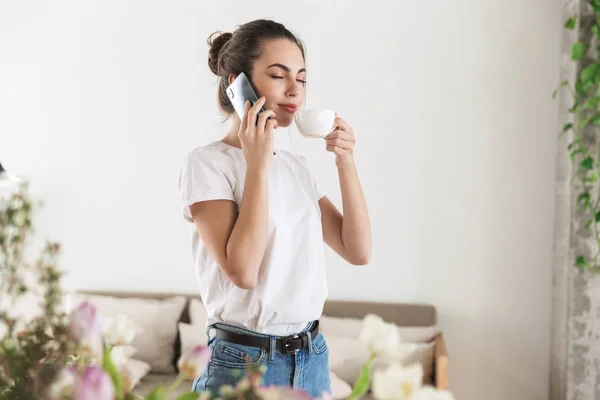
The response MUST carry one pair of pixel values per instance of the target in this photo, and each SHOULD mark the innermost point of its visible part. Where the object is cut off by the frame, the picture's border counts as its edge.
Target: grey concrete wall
(575, 362)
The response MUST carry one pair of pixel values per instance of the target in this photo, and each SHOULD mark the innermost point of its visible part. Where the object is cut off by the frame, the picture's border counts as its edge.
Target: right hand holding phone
(257, 138)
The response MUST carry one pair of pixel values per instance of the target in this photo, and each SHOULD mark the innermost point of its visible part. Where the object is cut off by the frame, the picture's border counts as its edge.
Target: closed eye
(281, 77)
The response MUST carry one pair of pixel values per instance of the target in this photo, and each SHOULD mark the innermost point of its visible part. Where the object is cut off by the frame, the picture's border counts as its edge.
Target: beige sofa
(171, 321)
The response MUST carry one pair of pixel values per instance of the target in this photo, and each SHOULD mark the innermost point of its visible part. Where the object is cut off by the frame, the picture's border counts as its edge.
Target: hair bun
(217, 42)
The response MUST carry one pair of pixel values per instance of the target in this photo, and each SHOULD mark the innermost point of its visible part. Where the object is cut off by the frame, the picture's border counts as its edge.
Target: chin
(284, 122)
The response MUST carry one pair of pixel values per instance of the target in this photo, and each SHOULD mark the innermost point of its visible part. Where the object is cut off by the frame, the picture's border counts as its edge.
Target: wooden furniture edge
(441, 363)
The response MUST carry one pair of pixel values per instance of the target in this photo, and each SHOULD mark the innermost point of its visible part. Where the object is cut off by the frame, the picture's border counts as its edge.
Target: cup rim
(315, 110)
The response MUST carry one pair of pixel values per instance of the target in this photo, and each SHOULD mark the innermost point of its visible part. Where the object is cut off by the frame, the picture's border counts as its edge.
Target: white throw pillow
(191, 336)
(347, 356)
(197, 313)
(158, 322)
(352, 327)
(137, 370)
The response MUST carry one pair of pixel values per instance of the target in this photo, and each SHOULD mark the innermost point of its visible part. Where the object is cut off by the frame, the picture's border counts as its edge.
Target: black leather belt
(286, 344)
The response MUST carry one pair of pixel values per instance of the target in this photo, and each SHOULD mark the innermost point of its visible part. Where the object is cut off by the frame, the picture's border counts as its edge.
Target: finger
(262, 120)
(245, 119)
(340, 143)
(271, 124)
(341, 134)
(343, 125)
(254, 111)
(336, 150)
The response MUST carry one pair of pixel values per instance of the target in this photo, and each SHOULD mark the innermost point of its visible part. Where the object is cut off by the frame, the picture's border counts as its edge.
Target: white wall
(451, 102)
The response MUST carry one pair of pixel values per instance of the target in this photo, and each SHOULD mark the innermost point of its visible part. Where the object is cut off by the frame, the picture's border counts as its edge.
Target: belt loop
(309, 338)
(272, 347)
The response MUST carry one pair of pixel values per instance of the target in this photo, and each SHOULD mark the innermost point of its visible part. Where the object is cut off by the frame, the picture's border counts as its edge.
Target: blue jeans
(307, 369)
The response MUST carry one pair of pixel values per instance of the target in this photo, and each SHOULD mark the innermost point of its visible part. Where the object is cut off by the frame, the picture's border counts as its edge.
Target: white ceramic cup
(316, 123)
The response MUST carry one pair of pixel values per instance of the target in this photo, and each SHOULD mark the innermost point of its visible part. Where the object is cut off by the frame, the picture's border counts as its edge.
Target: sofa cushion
(348, 355)
(352, 327)
(158, 322)
(191, 336)
(136, 370)
(198, 314)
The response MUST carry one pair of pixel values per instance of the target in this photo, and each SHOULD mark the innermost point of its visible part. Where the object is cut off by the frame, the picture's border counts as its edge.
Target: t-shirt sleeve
(204, 176)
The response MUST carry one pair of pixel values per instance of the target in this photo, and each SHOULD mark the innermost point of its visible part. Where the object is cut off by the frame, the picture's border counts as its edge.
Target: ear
(231, 78)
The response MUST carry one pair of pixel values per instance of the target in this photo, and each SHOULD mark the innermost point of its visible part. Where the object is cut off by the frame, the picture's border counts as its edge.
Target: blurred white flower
(119, 330)
(117, 355)
(397, 383)
(20, 218)
(63, 384)
(379, 336)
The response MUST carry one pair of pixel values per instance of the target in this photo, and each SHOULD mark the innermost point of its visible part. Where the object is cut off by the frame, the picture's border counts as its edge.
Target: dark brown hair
(233, 53)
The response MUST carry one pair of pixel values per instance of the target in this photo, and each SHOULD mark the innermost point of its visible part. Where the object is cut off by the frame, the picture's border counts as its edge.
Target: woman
(260, 220)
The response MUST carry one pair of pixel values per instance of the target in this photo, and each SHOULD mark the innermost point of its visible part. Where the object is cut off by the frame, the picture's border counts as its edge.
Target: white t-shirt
(292, 282)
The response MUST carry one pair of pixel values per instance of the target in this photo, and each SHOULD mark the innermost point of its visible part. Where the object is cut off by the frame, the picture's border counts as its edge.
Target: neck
(232, 138)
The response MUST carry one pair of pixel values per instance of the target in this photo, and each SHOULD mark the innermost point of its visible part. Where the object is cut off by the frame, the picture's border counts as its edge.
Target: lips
(291, 108)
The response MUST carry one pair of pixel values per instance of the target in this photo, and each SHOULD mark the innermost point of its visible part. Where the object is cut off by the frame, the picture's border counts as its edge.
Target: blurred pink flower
(282, 393)
(193, 362)
(94, 384)
(325, 396)
(84, 319)
(86, 328)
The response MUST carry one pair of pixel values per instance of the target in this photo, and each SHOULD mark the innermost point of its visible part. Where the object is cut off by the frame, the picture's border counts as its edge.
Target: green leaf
(580, 261)
(593, 177)
(586, 201)
(578, 50)
(113, 372)
(587, 163)
(589, 72)
(568, 126)
(575, 152)
(588, 224)
(188, 396)
(591, 103)
(579, 88)
(583, 196)
(596, 120)
(157, 394)
(573, 143)
(597, 216)
(362, 384)
(572, 109)
(570, 23)
(562, 84)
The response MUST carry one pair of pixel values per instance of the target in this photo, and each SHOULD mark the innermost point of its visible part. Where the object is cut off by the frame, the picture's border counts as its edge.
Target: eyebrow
(285, 68)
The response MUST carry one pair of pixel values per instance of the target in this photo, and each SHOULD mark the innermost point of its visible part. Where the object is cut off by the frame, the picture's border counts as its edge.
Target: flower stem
(363, 383)
(174, 385)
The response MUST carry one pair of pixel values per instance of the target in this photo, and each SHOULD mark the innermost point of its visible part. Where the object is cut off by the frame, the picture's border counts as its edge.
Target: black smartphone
(241, 90)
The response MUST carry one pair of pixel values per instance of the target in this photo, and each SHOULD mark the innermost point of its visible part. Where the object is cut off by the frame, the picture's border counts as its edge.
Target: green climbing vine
(585, 109)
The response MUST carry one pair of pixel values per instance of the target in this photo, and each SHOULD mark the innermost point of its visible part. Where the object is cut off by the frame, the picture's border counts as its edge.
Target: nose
(293, 88)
